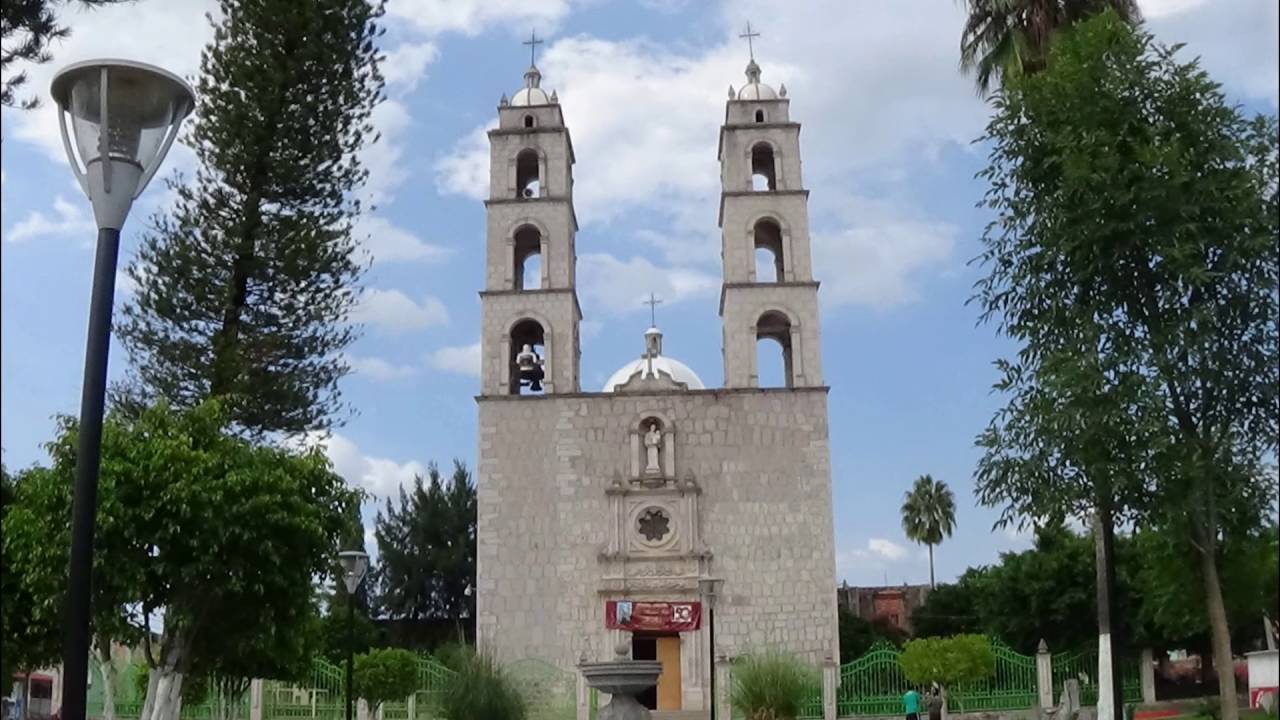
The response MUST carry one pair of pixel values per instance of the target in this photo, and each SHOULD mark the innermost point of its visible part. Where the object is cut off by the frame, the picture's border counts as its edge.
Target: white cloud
(380, 476)
(465, 170)
(69, 219)
(383, 158)
(406, 64)
(1236, 41)
(379, 369)
(887, 549)
(472, 16)
(620, 286)
(388, 242)
(462, 359)
(393, 310)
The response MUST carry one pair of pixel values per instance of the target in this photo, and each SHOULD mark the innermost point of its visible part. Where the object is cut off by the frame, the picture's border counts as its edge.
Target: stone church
(689, 522)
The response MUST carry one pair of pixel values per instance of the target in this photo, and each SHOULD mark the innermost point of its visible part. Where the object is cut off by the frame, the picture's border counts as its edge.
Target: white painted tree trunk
(107, 672)
(168, 694)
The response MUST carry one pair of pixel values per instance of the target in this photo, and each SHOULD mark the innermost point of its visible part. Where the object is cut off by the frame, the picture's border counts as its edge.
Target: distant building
(893, 603)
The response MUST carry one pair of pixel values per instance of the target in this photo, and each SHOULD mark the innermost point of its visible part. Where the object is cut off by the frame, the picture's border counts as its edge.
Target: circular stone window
(654, 525)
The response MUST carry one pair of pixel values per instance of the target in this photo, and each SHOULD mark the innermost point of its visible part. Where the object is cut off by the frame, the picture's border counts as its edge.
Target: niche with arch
(528, 175)
(759, 115)
(526, 273)
(774, 328)
(764, 175)
(527, 332)
(529, 121)
(770, 258)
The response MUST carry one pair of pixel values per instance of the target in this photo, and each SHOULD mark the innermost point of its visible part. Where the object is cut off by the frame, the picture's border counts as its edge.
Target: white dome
(754, 89)
(530, 96)
(678, 371)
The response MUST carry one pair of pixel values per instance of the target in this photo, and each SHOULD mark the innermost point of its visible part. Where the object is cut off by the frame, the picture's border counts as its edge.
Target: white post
(1044, 675)
(584, 698)
(255, 699)
(1148, 677)
(723, 678)
(830, 672)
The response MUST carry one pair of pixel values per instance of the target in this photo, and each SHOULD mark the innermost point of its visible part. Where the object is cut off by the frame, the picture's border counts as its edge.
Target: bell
(530, 367)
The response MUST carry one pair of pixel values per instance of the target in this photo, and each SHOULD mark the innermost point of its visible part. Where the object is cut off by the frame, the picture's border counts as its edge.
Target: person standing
(935, 703)
(911, 704)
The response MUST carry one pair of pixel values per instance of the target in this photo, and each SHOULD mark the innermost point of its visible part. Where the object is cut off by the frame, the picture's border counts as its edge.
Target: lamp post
(710, 588)
(124, 117)
(354, 565)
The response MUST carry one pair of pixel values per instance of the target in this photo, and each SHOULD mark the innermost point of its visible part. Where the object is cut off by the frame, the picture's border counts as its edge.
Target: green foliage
(1011, 38)
(479, 690)
(948, 661)
(427, 549)
(246, 285)
(27, 29)
(951, 609)
(771, 686)
(195, 688)
(929, 514)
(858, 635)
(388, 674)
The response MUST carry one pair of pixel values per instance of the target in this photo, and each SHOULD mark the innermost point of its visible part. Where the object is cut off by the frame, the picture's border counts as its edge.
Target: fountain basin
(621, 677)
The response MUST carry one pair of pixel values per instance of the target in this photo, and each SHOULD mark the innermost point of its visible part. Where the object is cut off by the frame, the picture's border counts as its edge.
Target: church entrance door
(666, 650)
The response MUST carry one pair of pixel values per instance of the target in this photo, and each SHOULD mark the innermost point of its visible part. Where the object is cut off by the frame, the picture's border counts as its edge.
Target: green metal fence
(321, 697)
(873, 684)
(1083, 666)
(1012, 687)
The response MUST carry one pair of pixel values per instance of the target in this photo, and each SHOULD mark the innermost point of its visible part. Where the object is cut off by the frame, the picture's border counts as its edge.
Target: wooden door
(669, 680)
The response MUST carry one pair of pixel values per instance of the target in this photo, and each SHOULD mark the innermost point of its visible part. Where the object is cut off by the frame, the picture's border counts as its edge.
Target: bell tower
(529, 298)
(768, 292)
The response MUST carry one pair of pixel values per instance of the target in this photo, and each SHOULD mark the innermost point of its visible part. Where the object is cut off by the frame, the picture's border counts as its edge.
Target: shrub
(948, 661)
(772, 686)
(387, 674)
(479, 691)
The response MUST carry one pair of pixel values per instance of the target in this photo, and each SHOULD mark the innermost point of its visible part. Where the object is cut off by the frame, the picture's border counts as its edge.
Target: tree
(1011, 38)
(222, 536)
(929, 515)
(388, 674)
(1133, 256)
(245, 286)
(27, 28)
(947, 662)
(858, 635)
(427, 549)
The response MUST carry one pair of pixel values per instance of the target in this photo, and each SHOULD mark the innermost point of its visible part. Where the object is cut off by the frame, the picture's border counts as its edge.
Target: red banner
(652, 616)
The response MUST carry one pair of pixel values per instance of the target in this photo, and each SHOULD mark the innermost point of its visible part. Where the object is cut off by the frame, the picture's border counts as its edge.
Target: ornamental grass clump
(771, 686)
(479, 690)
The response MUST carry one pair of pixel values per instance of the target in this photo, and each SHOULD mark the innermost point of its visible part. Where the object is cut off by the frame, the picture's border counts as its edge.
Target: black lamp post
(124, 116)
(354, 565)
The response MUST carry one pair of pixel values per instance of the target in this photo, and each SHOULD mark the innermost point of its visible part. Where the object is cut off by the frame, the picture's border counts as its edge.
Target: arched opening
(528, 121)
(769, 256)
(528, 350)
(763, 173)
(527, 274)
(773, 368)
(759, 115)
(528, 175)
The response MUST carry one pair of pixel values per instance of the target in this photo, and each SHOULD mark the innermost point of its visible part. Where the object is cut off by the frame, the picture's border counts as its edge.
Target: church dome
(532, 92)
(754, 89)
(654, 364)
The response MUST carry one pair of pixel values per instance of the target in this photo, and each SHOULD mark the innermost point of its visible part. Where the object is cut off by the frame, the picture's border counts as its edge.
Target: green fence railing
(1012, 687)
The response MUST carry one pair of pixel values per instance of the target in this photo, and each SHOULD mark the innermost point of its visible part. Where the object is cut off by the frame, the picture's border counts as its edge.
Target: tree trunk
(1223, 661)
(168, 695)
(932, 585)
(107, 671)
(1110, 705)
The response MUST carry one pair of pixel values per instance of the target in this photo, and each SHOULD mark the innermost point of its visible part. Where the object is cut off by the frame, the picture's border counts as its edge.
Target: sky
(887, 139)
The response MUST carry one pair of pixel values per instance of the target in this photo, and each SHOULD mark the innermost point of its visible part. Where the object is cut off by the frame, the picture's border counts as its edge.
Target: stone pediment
(642, 381)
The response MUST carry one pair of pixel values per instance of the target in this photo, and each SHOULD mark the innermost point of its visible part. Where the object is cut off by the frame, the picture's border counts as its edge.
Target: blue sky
(888, 125)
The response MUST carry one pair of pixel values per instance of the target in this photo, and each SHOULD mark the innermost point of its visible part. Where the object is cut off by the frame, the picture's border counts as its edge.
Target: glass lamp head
(354, 565)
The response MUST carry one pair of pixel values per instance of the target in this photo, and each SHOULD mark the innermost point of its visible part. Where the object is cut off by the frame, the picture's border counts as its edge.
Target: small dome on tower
(654, 365)
(754, 89)
(532, 92)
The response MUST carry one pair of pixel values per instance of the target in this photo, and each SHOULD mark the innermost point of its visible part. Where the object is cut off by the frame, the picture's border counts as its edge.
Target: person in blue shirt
(911, 704)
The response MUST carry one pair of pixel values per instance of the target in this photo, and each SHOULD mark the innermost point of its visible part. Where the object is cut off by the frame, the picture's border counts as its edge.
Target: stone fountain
(623, 678)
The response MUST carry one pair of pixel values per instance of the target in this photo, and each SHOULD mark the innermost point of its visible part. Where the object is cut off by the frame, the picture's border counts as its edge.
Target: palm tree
(929, 514)
(1003, 37)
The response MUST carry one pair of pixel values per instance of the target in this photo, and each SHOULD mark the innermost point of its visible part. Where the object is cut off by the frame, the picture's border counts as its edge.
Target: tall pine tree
(245, 285)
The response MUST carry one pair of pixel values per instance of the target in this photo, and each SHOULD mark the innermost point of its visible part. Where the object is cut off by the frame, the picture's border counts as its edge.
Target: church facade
(687, 522)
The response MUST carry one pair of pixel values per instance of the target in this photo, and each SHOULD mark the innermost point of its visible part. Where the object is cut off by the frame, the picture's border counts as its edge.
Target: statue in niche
(652, 449)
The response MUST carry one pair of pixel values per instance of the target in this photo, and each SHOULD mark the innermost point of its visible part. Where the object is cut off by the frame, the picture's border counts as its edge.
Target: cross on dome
(749, 36)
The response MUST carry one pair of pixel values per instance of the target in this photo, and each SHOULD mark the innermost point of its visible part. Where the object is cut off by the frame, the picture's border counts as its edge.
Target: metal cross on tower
(533, 42)
(653, 304)
(750, 36)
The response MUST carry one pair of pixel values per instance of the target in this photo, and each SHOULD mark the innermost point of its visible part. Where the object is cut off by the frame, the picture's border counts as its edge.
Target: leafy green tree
(220, 535)
(947, 661)
(246, 285)
(388, 674)
(1133, 257)
(427, 549)
(27, 29)
(929, 515)
(1011, 38)
(858, 635)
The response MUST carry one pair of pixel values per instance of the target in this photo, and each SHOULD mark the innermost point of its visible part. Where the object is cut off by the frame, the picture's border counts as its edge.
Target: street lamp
(354, 565)
(710, 588)
(124, 116)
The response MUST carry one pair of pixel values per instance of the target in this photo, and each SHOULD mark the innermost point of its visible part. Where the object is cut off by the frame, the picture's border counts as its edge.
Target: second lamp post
(354, 565)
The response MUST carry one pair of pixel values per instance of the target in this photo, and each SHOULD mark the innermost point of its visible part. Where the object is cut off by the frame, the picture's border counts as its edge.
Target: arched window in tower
(528, 121)
(773, 350)
(759, 115)
(528, 350)
(528, 175)
(763, 173)
(769, 256)
(527, 254)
